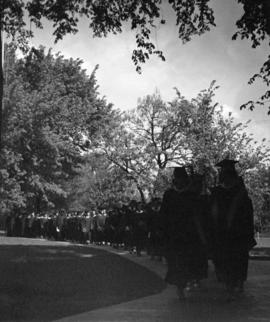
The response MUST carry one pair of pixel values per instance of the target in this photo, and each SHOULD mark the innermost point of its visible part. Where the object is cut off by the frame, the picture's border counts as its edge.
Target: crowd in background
(133, 226)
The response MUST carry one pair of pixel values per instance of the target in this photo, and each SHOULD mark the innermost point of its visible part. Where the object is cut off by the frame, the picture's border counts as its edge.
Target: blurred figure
(198, 243)
(233, 228)
(175, 222)
(140, 229)
(153, 228)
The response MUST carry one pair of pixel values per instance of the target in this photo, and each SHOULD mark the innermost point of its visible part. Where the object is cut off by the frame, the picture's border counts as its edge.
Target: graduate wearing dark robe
(181, 237)
(233, 229)
(153, 229)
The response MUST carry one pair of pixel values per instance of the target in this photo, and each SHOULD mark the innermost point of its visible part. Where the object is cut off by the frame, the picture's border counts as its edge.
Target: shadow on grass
(43, 283)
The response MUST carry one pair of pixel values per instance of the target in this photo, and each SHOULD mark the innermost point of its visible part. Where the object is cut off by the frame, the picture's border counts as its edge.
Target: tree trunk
(1, 89)
(141, 194)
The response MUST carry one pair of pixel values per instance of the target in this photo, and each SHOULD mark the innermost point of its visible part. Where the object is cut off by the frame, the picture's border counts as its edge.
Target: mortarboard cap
(227, 164)
(227, 169)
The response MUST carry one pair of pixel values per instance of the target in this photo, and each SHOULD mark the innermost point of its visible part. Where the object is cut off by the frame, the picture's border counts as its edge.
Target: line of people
(133, 226)
(187, 227)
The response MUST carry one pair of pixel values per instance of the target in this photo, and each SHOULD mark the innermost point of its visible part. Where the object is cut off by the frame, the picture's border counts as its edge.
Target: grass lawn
(42, 283)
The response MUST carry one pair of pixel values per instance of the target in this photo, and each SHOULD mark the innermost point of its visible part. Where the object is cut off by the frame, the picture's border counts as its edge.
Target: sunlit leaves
(194, 17)
(196, 133)
(51, 107)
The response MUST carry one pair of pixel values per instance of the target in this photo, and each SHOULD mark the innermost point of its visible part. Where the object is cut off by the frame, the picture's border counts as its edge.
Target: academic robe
(184, 250)
(232, 233)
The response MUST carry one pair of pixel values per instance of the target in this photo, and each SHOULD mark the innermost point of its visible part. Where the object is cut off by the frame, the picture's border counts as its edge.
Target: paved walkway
(208, 304)
(263, 242)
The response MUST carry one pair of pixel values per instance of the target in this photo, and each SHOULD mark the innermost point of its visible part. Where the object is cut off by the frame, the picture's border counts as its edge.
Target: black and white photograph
(134, 160)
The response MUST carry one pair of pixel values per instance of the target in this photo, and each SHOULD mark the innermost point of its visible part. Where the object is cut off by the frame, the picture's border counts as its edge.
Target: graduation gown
(232, 233)
(183, 246)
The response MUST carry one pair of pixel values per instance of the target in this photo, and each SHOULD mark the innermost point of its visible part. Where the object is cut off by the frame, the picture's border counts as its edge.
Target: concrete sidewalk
(207, 304)
(263, 242)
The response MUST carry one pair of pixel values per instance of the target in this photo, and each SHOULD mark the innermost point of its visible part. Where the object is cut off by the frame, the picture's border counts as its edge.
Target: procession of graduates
(133, 226)
(187, 228)
(198, 227)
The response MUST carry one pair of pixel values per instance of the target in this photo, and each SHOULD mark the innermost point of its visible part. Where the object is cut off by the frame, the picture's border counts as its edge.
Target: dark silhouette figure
(233, 228)
(182, 235)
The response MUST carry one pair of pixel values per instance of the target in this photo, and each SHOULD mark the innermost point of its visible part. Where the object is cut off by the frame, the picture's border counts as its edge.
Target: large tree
(139, 147)
(163, 128)
(157, 135)
(124, 149)
(193, 17)
(52, 106)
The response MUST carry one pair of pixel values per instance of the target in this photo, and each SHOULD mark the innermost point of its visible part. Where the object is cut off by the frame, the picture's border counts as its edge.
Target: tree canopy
(158, 135)
(64, 145)
(138, 150)
(193, 17)
(52, 109)
(52, 105)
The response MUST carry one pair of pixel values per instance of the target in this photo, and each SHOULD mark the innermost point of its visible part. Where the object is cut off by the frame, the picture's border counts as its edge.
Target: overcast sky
(190, 67)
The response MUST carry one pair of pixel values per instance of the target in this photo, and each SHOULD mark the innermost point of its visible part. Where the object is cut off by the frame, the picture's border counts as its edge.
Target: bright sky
(190, 67)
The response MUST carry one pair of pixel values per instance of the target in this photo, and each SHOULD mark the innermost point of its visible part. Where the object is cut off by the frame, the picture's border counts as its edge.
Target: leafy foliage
(139, 147)
(51, 105)
(99, 184)
(255, 25)
(193, 17)
(196, 133)
(162, 127)
(126, 151)
(259, 192)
